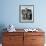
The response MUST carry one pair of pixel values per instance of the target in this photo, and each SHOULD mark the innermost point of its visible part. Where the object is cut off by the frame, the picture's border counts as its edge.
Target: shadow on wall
(2, 26)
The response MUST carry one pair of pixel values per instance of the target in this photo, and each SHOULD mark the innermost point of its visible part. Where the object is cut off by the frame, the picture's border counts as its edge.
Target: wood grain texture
(34, 39)
(23, 38)
(13, 39)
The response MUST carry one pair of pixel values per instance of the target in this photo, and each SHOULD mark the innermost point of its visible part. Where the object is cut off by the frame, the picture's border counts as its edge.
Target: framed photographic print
(26, 13)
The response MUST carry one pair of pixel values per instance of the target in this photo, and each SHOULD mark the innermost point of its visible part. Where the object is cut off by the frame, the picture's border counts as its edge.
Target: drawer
(13, 33)
(37, 44)
(34, 33)
(27, 37)
(12, 44)
(8, 38)
(37, 39)
(13, 41)
(18, 44)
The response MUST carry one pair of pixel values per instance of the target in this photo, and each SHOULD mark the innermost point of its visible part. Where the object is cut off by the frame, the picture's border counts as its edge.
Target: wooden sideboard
(23, 38)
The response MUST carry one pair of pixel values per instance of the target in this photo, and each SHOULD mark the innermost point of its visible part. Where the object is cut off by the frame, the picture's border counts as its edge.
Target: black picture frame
(26, 13)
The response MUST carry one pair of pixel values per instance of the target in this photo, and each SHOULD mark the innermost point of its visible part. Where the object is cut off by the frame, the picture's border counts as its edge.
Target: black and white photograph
(26, 13)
